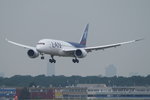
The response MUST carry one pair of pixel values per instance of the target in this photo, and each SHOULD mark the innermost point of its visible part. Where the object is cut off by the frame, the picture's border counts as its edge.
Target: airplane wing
(21, 45)
(89, 49)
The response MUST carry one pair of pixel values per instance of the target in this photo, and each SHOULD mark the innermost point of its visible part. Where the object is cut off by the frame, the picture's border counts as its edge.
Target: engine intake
(33, 53)
(80, 53)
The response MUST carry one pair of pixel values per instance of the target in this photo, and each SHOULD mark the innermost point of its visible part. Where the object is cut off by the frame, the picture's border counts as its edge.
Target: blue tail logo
(84, 36)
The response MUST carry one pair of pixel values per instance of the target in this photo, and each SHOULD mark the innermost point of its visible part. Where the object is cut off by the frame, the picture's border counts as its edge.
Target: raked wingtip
(139, 39)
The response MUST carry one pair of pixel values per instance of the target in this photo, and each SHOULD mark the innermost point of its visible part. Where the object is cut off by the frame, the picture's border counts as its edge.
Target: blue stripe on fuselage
(77, 45)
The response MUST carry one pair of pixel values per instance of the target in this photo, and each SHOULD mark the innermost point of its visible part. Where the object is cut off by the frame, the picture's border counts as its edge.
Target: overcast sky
(111, 21)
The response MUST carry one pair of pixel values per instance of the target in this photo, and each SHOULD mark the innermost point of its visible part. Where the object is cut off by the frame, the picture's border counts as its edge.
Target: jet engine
(33, 53)
(80, 53)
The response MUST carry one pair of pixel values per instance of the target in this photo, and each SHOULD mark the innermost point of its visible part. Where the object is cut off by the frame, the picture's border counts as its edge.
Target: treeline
(62, 81)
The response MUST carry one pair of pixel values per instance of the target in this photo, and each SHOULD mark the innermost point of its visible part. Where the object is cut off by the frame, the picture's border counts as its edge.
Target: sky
(110, 21)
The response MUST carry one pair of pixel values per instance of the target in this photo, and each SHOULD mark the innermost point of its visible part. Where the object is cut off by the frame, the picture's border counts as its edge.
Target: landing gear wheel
(75, 60)
(52, 60)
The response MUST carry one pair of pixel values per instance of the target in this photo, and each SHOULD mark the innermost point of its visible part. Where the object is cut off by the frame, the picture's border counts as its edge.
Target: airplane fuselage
(54, 47)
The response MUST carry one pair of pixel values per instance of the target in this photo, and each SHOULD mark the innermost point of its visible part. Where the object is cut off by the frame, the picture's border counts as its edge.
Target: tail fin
(84, 36)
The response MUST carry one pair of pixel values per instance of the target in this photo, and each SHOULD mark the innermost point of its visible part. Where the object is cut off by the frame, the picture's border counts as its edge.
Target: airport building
(70, 93)
(96, 91)
(7, 93)
(41, 93)
(74, 93)
(59, 93)
(81, 91)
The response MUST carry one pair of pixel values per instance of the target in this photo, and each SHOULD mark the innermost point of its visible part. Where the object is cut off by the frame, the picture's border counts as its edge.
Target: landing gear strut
(52, 60)
(75, 60)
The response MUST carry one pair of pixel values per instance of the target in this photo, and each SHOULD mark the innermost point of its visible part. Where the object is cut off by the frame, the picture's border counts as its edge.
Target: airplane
(65, 49)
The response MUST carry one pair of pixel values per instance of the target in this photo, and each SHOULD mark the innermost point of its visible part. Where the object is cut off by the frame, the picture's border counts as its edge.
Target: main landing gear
(75, 60)
(52, 60)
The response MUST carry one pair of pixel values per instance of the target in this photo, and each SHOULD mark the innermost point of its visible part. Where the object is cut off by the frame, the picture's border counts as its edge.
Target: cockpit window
(41, 43)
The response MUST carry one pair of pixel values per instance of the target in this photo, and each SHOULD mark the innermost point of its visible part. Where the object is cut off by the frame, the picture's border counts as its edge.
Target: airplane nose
(39, 48)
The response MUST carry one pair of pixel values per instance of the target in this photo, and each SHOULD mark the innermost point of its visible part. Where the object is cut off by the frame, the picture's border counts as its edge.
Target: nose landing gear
(42, 57)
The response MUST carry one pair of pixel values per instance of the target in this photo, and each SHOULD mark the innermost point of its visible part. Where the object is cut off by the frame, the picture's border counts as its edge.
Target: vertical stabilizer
(84, 36)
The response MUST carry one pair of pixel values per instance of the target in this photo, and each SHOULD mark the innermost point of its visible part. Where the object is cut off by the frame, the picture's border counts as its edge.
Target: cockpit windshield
(41, 43)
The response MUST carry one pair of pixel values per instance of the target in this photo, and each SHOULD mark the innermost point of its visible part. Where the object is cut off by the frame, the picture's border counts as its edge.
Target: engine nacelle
(80, 53)
(33, 53)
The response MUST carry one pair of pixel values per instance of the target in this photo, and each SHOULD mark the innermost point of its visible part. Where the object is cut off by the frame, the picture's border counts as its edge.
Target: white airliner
(66, 49)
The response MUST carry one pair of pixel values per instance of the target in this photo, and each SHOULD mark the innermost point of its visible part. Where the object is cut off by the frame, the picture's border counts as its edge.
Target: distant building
(2, 74)
(50, 69)
(110, 71)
